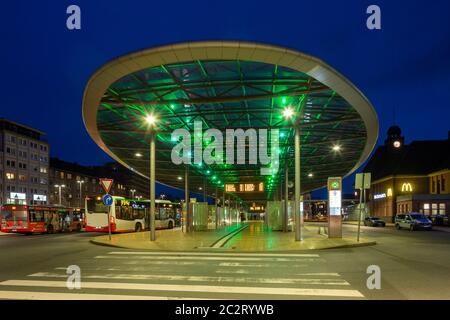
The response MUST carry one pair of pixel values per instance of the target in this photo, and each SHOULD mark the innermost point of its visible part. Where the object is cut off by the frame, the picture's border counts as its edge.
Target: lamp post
(59, 186)
(288, 113)
(132, 193)
(151, 121)
(80, 182)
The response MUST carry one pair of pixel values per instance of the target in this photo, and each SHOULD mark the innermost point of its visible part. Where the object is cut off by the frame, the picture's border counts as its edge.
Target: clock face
(397, 144)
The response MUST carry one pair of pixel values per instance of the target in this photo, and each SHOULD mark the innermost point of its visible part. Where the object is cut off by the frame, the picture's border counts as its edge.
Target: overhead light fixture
(336, 147)
(288, 112)
(151, 119)
(310, 175)
(138, 155)
(180, 178)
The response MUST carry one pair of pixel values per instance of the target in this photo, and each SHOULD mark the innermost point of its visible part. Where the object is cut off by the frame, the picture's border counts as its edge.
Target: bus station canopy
(229, 85)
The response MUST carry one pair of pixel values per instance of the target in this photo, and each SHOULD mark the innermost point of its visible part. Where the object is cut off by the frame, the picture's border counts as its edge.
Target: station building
(409, 178)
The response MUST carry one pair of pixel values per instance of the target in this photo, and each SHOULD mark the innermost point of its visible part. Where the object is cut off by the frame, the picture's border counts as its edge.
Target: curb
(354, 245)
(98, 243)
(233, 233)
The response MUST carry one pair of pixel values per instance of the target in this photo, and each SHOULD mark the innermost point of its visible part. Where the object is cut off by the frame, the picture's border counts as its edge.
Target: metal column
(205, 193)
(217, 209)
(187, 200)
(152, 187)
(298, 217)
(286, 198)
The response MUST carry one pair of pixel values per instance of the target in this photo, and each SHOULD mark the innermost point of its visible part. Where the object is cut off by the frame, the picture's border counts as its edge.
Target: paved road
(413, 265)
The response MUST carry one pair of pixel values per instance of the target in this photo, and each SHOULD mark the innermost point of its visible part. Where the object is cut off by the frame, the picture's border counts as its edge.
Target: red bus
(39, 219)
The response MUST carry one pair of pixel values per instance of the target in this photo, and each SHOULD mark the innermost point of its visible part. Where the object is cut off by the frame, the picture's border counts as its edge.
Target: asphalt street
(414, 265)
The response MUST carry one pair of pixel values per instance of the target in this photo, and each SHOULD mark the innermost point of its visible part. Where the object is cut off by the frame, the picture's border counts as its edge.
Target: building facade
(24, 163)
(409, 178)
(71, 183)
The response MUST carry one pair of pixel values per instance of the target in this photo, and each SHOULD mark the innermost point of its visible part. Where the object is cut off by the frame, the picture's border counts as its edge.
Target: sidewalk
(254, 238)
(167, 240)
(257, 238)
(388, 224)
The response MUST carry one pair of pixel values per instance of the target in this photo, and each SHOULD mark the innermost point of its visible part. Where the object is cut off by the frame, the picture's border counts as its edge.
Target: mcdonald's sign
(407, 187)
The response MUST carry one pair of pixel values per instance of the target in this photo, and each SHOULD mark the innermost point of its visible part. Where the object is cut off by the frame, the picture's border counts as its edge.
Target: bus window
(138, 213)
(97, 206)
(118, 212)
(48, 216)
(20, 215)
(36, 216)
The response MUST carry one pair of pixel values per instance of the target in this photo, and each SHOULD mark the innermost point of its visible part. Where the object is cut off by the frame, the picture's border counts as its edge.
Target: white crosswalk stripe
(121, 275)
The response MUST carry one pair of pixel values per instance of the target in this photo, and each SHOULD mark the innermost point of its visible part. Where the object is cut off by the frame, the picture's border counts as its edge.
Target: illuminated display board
(244, 187)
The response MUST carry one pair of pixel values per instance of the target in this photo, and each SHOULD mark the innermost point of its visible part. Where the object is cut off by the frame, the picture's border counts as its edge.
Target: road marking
(309, 281)
(205, 258)
(227, 237)
(233, 271)
(34, 295)
(191, 288)
(256, 265)
(225, 254)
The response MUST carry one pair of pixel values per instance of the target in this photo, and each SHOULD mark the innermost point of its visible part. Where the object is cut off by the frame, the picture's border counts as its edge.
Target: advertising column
(334, 207)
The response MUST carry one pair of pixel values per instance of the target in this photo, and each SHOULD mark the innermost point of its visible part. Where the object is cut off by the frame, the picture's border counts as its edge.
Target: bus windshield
(20, 215)
(96, 205)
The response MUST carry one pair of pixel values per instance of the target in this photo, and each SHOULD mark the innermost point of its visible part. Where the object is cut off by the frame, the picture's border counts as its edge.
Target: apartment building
(24, 164)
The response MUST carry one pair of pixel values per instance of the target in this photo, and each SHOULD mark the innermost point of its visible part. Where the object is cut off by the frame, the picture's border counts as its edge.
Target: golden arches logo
(407, 187)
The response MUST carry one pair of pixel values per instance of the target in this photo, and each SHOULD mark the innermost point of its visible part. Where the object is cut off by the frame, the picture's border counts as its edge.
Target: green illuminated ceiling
(225, 95)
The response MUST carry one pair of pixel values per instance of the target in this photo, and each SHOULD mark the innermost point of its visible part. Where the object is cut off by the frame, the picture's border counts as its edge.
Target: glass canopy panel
(231, 94)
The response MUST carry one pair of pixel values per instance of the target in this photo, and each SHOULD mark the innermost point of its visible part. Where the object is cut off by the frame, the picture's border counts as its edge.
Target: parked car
(439, 220)
(412, 221)
(374, 222)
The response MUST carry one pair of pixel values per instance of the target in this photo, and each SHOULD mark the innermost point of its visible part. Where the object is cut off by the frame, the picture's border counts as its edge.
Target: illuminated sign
(335, 199)
(39, 197)
(244, 187)
(257, 207)
(335, 195)
(406, 187)
(18, 196)
(389, 192)
(379, 196)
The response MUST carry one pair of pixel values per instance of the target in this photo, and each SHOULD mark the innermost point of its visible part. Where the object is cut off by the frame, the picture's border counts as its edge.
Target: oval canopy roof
(229, 85)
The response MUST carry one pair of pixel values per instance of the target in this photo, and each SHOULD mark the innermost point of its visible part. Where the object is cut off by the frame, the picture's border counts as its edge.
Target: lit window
(10, 176)
(434, 208)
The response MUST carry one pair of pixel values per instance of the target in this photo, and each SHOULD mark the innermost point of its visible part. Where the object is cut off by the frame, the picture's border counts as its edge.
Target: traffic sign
(106, 184)
(107, 200)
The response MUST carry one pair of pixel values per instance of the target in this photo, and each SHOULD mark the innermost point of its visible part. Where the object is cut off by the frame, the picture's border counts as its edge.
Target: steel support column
(152, 187)
(298, 213)
(188, 221)
(286, 198)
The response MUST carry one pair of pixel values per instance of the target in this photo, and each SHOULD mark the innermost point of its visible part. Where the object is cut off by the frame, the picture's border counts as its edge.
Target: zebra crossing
(135, 275)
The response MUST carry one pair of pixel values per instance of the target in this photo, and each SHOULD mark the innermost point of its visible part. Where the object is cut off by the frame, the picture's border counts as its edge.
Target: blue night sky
(45, 67)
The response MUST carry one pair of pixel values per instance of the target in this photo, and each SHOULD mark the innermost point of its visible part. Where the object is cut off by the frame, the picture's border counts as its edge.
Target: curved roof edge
(224, 50)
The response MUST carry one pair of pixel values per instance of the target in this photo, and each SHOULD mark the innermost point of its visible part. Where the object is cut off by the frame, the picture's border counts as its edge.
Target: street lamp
(59, 186)
(132, 193)
(151, 120)
(80, 182)
(288, 113)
